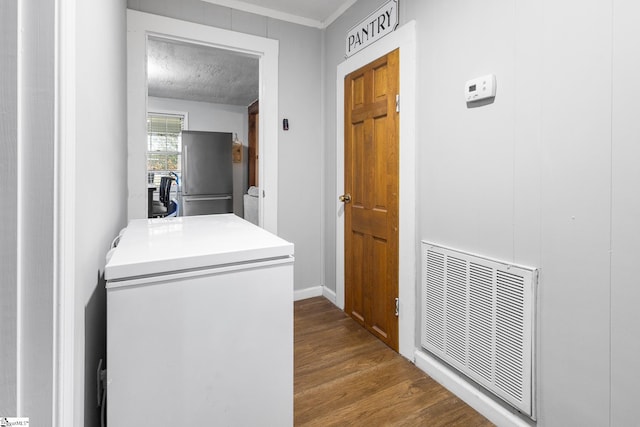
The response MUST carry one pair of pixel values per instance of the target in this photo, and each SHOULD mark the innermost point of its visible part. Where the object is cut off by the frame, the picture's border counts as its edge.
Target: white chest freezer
(199, 324)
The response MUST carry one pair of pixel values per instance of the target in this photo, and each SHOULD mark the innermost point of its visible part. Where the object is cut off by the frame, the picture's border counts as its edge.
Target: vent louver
(478, 316)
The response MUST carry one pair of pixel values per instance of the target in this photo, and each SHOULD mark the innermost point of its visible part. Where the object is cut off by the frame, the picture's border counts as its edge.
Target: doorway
(371, 144)
(192, 87)
(141, 26)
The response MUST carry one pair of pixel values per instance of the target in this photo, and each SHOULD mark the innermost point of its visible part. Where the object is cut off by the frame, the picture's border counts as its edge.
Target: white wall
(29, 133)
(625, 211)
(575, 212)
(9, 224)
(545, 176)
(101, 181)
(299, 157)
(206, 116)
(300, 160)
(35, 202)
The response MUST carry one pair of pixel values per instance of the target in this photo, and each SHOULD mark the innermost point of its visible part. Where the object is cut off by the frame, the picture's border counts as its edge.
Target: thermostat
(480, 88)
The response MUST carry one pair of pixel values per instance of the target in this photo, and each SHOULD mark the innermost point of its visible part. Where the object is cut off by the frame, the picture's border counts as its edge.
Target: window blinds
(164, 145)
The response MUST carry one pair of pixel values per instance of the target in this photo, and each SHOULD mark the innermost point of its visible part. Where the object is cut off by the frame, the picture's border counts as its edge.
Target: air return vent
(478, 316)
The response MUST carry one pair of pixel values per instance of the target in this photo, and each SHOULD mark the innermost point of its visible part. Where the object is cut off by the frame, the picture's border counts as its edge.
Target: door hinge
(397, 103)
(397, 307)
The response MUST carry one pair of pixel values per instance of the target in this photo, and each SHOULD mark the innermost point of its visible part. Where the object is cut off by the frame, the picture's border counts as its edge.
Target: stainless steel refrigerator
(207, 177)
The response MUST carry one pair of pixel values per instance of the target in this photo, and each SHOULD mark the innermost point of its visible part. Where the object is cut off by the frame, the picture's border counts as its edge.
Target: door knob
(345, 198)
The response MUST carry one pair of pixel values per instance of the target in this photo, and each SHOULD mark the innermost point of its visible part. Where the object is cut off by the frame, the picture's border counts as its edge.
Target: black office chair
(160, 208)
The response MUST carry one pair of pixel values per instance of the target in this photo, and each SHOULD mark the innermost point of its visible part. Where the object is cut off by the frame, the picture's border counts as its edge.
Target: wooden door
(371, 181)
(254, 114)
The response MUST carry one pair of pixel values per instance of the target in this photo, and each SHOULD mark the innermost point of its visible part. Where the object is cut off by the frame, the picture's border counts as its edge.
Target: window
(164, 145)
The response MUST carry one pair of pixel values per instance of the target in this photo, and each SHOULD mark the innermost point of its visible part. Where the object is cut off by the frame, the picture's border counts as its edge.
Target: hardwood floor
(344, 376)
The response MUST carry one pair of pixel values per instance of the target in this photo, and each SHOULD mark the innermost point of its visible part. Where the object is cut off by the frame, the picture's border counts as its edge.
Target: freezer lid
(165, 245)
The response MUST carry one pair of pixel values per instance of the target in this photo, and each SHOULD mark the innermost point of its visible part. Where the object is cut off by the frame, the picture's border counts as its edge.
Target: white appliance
(251, 204)
(199, 324)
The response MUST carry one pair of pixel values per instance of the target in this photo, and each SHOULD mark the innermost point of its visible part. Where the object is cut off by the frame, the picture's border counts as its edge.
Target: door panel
(380, 85)
(206, 163)
(371, 178)
(356, 279)
(358, 184)
(381, 166)
(379, 314)
(358, 90)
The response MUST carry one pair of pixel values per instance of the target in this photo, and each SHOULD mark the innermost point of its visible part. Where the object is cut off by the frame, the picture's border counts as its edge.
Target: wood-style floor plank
(345, 376)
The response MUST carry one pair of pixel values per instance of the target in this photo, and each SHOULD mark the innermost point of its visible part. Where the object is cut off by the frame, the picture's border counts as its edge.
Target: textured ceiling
(201, 73)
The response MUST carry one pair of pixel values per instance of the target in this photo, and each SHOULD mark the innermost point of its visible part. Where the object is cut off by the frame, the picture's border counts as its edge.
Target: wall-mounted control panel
(480, 88)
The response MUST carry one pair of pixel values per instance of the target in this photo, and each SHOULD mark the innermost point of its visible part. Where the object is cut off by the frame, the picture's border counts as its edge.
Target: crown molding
(283, 16)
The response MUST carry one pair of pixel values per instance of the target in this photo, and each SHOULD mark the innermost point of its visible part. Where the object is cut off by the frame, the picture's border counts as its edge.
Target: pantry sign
(375, 26)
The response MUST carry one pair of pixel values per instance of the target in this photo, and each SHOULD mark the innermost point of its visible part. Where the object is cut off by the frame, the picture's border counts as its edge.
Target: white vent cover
(478, 316)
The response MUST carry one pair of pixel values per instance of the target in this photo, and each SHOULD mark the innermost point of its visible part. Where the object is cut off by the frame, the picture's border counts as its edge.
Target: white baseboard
(469, 393)
(329, 294)
(315, 291)
(300, 294)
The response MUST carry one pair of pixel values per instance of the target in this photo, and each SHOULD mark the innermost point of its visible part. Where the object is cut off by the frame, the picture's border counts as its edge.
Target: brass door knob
(345, 198)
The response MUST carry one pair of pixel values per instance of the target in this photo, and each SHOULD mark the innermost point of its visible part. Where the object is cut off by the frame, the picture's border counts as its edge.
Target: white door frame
(403, 38)
(139, 27)
(64, 296)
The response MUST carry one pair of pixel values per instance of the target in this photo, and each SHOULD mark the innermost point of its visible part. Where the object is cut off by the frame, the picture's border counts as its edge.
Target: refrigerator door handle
(201, 199)
(185, 168)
